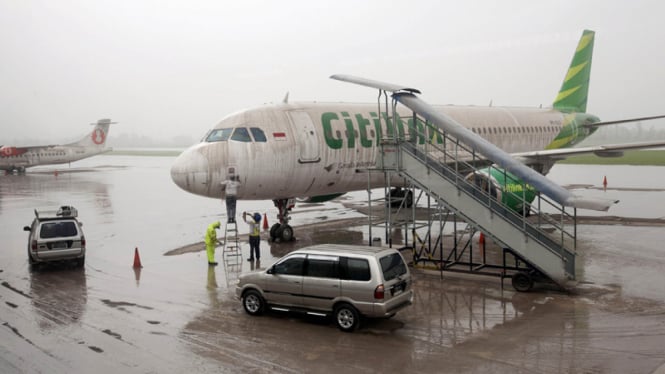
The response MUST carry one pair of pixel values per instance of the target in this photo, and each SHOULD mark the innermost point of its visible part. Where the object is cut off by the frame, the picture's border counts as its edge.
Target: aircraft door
(308, 142)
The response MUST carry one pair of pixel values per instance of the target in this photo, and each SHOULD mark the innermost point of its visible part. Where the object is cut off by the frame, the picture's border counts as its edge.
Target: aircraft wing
(606, 150)
(605, 123)
(406, 96)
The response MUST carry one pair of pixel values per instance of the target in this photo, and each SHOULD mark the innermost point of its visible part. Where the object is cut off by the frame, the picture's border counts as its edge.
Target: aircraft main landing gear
(282, 231)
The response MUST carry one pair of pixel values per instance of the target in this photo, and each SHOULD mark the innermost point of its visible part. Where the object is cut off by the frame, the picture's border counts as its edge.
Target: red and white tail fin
(96, 138)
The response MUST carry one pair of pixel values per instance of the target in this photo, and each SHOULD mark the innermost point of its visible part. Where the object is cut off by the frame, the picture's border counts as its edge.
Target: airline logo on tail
(98, 136)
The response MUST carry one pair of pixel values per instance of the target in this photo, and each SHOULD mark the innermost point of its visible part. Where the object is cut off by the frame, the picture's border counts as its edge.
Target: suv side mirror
(26, 228)
(271, 269)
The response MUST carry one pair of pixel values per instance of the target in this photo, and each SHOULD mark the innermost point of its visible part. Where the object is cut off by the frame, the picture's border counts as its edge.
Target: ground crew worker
(254, 235)
(211, 242)
(230, 192)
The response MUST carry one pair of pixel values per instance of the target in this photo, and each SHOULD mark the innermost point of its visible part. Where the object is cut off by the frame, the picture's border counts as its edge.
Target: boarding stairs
(231, 253)
(442, 170)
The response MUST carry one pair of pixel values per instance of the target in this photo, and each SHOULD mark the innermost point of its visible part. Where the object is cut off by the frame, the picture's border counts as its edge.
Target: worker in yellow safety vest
(211, 242)
(254, 234)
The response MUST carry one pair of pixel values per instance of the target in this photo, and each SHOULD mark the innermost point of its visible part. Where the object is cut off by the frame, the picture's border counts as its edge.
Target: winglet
(103, 121)
(599, 204)
(575, 88)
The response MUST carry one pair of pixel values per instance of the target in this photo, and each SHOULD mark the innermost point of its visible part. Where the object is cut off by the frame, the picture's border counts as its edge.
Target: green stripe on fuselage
(573, 130)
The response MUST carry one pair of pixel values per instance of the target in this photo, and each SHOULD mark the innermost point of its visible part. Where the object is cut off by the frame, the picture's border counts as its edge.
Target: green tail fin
(573, 94)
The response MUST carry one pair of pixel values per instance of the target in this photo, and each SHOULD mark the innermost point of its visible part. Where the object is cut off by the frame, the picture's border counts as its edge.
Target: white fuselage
(47, 155)
(19, 158)
(315, 149)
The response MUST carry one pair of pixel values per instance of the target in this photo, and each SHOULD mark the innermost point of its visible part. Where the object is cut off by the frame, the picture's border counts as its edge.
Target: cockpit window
(241, 134)
(258, 134)
(219, 135)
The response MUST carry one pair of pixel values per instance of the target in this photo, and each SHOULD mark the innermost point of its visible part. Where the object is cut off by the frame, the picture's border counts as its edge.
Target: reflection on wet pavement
(177, 314)
(59, 294)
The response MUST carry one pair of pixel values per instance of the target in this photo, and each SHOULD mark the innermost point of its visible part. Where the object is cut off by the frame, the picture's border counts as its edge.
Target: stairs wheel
(522, 282)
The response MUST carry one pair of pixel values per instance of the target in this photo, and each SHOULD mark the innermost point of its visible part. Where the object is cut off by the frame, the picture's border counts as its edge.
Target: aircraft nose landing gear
(282, 231)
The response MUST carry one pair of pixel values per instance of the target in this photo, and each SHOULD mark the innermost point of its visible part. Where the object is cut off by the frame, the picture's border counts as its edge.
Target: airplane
(317, 151)
(20, 158)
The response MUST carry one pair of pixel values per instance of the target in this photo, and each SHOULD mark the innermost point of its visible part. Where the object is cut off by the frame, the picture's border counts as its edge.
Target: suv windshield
(392, 266)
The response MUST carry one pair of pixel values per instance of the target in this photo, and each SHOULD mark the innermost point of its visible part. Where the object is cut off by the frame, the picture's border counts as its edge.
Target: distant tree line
(629, 133)
(125, 140)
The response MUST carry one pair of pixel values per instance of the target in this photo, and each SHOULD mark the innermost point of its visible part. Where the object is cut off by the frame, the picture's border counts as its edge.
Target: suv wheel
(80, 262)
(253, 303)
(346, 317)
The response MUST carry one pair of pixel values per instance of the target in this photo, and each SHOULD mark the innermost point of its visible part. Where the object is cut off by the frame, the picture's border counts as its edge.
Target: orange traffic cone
(137, 259)
(265, 221)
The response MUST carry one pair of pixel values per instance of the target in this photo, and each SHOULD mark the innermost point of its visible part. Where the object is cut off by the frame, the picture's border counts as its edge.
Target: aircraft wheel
(409, 199)
(522, 282)
(273, 231)
(401, 197)
(286, 233)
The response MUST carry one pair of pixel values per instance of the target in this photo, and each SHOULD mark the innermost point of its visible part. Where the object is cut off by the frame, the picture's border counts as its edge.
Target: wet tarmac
(176, 314)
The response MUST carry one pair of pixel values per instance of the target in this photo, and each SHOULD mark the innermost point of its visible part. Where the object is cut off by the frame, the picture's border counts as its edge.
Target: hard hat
(257, 217)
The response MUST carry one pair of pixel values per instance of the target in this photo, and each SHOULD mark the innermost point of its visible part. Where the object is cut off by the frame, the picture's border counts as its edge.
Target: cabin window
(258, 134)
(241, 134)
(219, 135)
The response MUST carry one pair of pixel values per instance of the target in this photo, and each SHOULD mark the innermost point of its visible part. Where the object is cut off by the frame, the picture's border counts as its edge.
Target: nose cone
(190, 171)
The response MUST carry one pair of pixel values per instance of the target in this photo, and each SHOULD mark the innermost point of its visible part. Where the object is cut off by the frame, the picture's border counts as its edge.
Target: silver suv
(344, 281)
(56, 236)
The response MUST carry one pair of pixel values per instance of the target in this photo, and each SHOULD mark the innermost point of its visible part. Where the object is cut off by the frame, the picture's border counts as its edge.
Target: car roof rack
(63, 211)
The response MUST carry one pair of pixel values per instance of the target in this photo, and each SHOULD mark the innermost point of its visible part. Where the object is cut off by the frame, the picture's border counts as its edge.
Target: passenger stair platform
(542, 244)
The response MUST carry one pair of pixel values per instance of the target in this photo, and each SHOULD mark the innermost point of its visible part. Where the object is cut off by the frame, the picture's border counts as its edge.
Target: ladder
(231, 253)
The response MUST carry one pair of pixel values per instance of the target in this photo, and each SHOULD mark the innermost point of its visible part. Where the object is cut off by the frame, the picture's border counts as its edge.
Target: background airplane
(318, 150)
(20, 158)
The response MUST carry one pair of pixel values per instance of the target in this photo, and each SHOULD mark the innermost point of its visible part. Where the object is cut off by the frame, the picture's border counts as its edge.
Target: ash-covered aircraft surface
(20, 158)
(317, 151)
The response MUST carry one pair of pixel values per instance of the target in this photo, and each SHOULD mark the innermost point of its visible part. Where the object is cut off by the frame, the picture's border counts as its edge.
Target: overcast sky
(169, 68)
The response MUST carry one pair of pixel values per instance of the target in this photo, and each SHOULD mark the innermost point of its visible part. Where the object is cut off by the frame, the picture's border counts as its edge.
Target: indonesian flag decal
(279, 135)
(98, 136)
